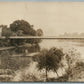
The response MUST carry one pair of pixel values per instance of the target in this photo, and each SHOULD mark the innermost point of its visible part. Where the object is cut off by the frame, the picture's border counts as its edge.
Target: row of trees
(17, 28)
(75, 34)
(20, 28)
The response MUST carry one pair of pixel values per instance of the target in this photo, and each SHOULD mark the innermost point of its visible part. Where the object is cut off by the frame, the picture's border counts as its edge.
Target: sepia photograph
(41, 41)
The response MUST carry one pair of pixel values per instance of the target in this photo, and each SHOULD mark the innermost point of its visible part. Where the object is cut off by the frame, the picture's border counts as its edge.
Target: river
(49, 43)
(65, 44)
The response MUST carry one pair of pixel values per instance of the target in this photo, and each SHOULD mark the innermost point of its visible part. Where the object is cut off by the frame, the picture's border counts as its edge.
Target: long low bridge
(42, 37)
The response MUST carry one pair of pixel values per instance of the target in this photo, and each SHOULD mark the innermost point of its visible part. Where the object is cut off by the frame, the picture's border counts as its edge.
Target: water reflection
(65, 44)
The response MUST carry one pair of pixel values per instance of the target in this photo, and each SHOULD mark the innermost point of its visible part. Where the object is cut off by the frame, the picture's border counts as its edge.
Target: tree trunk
(57, 74)
(62, 70)
(46, 75)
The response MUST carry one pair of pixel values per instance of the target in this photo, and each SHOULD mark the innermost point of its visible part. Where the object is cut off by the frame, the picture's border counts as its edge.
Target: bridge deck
(40, 37)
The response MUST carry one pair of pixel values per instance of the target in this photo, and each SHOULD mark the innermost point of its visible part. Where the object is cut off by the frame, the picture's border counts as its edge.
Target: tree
(72, 57)
(5, 30)
(39, 32)
(24, 26)
(50, 60)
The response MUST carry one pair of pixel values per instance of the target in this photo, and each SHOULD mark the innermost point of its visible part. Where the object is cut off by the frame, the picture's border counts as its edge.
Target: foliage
(39, 32)
(76, 72)
(23, 25)
(74, 67)
(50, 59)
(42, 59)
(6, 32)
(20, 28)
(72, 57)
(4, 43)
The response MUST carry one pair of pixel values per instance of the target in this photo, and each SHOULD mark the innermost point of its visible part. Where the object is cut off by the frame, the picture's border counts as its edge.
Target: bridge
(42, 37)
(36, 37)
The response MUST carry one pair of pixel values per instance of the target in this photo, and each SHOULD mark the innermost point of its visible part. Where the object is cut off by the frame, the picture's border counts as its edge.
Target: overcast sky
(52, 17)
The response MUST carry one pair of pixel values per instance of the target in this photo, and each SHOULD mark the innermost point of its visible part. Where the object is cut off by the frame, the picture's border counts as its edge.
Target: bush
(49, 59)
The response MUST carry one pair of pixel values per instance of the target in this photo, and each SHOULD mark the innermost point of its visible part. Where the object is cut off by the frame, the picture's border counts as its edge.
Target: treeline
(75, 34)
(20, 28)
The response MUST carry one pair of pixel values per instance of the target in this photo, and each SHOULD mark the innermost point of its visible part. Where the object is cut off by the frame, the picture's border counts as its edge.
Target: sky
(53, 18)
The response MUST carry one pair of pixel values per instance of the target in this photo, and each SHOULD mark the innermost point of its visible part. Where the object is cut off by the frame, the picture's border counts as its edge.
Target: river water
(48, 43)
(65, 44)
